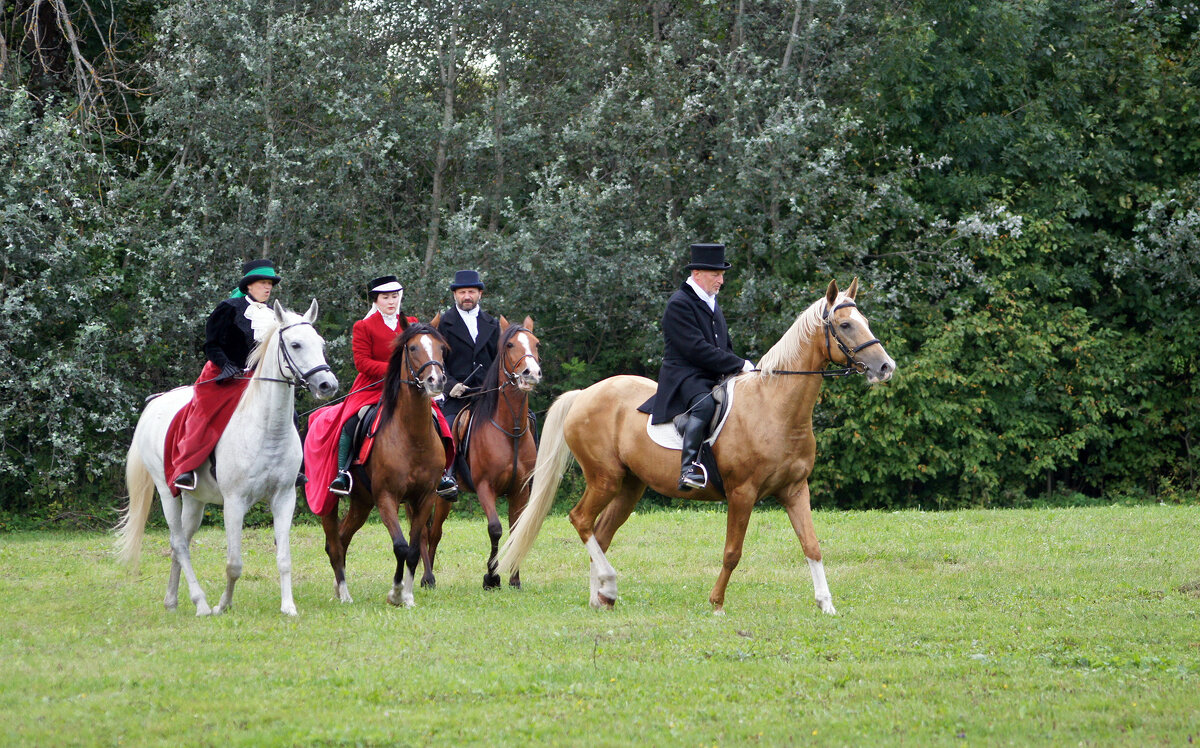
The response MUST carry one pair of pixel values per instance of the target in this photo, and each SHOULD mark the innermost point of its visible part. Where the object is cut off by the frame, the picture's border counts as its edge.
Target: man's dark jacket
(468, 360)
(228, 335)
(698, 353)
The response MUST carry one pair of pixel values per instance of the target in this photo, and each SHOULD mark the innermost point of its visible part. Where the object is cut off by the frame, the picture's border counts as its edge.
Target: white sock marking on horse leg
(604, 576)
(406, 588)
(341, 592)
(821, 587)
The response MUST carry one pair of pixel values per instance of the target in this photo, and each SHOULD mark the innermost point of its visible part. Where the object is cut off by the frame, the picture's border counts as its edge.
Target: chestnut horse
(404, 465)
(766, 447)
(501, 450)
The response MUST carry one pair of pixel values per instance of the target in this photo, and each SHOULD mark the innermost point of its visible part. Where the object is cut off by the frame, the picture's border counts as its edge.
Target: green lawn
(976, 627)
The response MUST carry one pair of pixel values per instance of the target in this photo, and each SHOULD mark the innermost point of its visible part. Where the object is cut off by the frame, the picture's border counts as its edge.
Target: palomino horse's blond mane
(786, 352)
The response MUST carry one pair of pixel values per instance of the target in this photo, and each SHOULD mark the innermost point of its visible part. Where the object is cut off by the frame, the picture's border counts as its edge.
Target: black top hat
(383, 284)
(708, 257)
(466, 279)
(257, 270)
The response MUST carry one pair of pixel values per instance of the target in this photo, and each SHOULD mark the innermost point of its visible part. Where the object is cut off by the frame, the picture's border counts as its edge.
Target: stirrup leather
(687, 481)
(349, 484)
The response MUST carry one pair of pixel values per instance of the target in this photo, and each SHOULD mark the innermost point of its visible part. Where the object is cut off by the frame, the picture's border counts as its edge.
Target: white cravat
(704, 296)
(391, 320)
(471, 319)
(261, 318)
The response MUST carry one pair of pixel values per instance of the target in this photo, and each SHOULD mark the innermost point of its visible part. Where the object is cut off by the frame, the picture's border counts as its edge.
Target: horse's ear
(437, 320)
(311, 315)
(528, 324)
(503, 323)
(279, 310)
(853, 289)
(831, 294)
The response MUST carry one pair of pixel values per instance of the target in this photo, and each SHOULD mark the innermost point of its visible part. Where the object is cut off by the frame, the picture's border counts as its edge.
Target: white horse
(257, 457)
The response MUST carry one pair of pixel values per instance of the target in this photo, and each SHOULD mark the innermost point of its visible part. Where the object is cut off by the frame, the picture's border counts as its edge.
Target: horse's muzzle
(323, 385)
(880, 371)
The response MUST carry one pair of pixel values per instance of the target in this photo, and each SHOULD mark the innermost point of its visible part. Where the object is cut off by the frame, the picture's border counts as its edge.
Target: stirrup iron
(349, 484)
(686, 482)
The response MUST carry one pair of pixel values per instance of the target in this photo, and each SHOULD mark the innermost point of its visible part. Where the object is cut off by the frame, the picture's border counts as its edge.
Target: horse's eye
(296, 346)
(508, 345)
(845, 325)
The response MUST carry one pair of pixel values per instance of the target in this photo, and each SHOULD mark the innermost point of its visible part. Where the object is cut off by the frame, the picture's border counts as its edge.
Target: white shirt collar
(471, 319)
(704, 296)
(391, 320)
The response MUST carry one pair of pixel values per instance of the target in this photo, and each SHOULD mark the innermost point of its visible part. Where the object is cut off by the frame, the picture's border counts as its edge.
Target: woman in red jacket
(372, 345)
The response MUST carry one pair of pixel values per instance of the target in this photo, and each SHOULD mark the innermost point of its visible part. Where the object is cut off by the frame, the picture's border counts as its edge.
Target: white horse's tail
(552, 459)
(132, 526)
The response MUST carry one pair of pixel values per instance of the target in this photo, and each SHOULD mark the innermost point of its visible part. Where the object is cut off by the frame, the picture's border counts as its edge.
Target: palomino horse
(257, 458)
(499, 443)
(404, 465)
(765, 448)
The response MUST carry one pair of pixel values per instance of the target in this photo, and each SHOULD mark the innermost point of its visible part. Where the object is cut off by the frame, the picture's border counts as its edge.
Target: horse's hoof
(428, 582)
(514, 583)
(289, 610)
(718, 611)
(826, 607)
(491, 581)
(605, 602)
(393, 598)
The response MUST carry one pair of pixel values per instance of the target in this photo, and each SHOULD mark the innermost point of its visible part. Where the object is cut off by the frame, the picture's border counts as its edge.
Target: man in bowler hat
(473, 335)
(697, 354)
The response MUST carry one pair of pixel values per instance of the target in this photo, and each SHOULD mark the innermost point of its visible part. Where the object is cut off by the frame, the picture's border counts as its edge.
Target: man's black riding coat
(698, 353)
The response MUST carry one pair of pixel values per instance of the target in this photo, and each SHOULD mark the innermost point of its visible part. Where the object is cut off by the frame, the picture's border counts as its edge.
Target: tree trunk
(448, 65)
(498, 110)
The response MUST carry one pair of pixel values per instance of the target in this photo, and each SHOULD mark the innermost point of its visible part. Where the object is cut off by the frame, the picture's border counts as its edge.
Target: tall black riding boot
(692, 474)
(343, 482)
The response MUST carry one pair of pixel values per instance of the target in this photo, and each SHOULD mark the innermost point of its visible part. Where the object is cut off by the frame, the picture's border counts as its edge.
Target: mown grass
(992, 627)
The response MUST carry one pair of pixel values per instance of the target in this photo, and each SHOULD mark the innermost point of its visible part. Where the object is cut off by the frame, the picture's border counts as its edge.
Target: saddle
(671, 435)
(462, 460)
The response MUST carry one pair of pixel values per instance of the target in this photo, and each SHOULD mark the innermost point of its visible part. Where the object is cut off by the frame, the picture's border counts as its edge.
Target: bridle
(284, 357)
(854, 366)
(848, 352)
(415, 373)
(511, 375)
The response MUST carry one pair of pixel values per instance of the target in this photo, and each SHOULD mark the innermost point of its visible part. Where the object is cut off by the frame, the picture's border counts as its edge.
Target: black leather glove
(228, 372)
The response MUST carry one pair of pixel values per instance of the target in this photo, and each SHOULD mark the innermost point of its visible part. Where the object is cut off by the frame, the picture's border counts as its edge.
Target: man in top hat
(473, 335)
(230, 334)
(697, 355)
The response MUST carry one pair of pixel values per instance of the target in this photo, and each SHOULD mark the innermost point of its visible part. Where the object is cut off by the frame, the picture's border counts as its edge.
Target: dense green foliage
(1015, 183)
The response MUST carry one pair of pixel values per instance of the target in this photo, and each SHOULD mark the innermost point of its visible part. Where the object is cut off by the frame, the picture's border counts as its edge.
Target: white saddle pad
(665, 435)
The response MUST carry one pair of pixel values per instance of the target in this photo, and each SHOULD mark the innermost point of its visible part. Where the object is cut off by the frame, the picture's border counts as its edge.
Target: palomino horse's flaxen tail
(552, 459)
(132, 526)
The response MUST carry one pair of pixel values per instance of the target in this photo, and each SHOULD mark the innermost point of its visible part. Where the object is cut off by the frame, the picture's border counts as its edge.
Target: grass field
(976, 627)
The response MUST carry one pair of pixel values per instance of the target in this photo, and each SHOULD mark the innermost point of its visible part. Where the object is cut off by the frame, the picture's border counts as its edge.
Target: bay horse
(256, 458)
(766, 447)
(404, 465)
(499, 443)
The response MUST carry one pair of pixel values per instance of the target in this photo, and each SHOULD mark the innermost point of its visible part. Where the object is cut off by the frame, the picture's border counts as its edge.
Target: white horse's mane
(264, 350)
(786, 352)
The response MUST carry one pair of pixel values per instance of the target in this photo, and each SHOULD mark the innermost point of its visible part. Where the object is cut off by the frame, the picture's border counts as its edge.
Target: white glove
(748, 366)
(458, 390)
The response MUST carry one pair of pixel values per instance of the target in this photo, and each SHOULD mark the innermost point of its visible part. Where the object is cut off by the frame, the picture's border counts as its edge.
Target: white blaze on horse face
(535, 370)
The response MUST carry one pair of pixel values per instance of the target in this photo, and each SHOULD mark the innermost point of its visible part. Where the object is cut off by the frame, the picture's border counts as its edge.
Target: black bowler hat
(257, 270)
(383, 284)
(466, 279)
(708, 257)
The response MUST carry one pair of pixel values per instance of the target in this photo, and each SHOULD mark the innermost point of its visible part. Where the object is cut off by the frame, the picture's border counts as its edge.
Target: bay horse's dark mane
(397, 373)
(485, 404)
